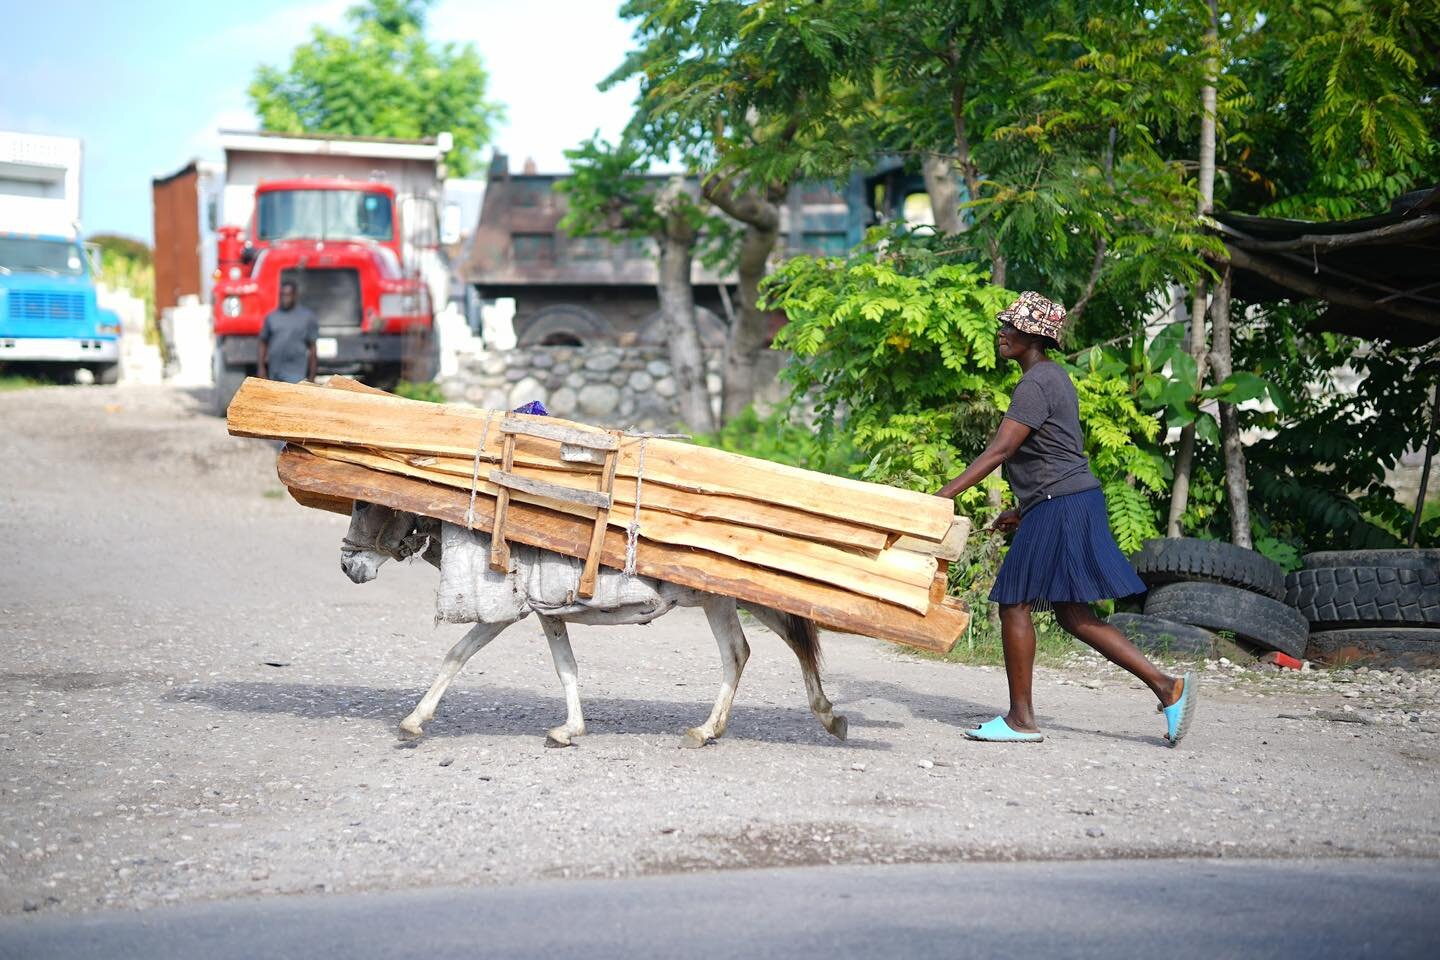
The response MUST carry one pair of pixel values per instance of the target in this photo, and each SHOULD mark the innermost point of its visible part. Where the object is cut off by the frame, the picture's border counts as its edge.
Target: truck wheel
(1155, 635)
(227, 382)
(1399, 646)
(1185, 559)
(1399, 559)
(1214, 606)
(1337, 598)
(106, 373)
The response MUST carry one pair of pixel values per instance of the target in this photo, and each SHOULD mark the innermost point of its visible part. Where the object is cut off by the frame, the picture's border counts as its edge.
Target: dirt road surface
(199, 706)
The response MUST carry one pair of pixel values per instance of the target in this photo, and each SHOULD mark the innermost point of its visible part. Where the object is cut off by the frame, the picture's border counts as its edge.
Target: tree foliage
(381, 79)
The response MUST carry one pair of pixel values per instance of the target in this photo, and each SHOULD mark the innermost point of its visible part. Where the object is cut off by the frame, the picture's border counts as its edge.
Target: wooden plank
(894, 576)
(948, 549)
(320, 501)
(550, 491)
(942, 582)
(269, 409)
(499, 549)
(561, 435)
(937, 630)
(749, 513)
(591, 570)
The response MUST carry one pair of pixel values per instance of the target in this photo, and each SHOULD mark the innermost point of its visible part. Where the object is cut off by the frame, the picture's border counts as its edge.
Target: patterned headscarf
(1035, 314)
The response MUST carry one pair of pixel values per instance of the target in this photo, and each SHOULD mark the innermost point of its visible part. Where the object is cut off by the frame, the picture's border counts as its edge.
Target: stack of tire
(1380, 606)
(1199, 588)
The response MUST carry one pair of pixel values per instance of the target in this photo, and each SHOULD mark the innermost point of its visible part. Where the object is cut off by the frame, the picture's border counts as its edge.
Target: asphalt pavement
(1160, 909)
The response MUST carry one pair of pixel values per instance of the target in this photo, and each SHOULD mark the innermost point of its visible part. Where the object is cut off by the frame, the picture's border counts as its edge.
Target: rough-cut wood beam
(1323, 242)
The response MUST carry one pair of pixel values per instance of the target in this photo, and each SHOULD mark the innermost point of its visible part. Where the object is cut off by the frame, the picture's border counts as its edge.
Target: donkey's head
(378, 533)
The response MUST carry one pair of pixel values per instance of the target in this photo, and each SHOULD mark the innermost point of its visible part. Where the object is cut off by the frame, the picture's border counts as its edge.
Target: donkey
(546, 584)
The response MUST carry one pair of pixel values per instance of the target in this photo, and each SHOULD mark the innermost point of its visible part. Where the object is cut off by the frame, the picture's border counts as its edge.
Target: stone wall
(602, 385)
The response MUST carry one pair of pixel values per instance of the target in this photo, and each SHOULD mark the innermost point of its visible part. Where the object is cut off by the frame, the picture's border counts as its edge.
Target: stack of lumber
(858, 557)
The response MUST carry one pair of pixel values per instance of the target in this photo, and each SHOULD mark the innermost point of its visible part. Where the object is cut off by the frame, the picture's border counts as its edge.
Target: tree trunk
(1237, 488)
(971, 173)
(944, 191)
(677, 306)
(760, 213)
(1185, 456)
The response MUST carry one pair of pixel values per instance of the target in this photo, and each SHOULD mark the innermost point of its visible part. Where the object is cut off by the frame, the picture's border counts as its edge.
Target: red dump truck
(340, 242)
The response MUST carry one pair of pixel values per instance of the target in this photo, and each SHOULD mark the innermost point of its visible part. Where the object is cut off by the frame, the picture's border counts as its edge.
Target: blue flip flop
(998, 731)
(1178, 714)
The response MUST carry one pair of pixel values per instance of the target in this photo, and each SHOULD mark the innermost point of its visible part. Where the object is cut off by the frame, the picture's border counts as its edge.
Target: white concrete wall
(39, 183)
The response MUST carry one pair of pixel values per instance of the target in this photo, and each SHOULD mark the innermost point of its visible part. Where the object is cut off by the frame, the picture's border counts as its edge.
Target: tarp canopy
(1379, 275)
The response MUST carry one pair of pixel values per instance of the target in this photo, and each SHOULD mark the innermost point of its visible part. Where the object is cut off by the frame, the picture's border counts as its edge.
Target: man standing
(287, 340)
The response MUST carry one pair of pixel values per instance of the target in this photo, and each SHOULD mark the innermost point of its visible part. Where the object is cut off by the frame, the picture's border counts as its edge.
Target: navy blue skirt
(1063, 553)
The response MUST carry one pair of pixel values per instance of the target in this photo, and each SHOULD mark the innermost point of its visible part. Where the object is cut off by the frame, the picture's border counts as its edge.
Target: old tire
(1215, 606)
(1334, 598)
(1396, 559)
(1398, 646)
(1154, 635)
(106, 374)
(1185, 559)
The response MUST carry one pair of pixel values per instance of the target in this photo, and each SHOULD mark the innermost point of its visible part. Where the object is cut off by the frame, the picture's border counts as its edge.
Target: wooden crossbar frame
(499, 549)
(576, 446)
(602, 519)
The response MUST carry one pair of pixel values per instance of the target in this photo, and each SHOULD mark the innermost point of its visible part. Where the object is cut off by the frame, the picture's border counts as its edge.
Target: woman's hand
(1007, 521)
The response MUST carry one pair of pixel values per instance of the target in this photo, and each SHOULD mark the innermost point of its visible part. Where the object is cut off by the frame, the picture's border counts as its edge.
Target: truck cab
(50, 321)
(341, 242)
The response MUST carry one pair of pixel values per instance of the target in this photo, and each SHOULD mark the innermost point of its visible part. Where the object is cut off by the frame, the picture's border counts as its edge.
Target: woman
(1063, 556)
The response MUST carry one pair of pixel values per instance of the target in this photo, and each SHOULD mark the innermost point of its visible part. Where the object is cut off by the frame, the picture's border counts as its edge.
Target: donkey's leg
(734, 651)
(569, 673)
(469, 645)
(820, 704)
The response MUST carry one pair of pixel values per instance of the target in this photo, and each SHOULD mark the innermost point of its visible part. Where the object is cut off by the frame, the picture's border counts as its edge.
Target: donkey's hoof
(695, 738)
(556, 739)
(840, 728)
(410, 730)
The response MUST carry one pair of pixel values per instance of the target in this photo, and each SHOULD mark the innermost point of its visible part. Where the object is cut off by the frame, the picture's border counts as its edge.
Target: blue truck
(50, 321)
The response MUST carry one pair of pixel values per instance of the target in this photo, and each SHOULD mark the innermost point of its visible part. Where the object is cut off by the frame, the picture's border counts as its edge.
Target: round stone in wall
(603, 361)
(493, 363)
(665, 387)
(525, 391)
(658, 368)
(542, 359)
(562, 402)
(599, 400)
(576, 381)
(640, 381)
(494, 399)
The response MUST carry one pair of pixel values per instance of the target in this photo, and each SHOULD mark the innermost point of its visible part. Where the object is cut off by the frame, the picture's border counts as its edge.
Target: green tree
(381, 79)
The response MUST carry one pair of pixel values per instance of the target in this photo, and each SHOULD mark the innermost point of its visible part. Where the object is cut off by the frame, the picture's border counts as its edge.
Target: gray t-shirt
(1051, 462)
(288, 334)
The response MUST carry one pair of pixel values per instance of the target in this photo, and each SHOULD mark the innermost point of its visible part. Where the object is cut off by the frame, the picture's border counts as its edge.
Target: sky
(147, 83)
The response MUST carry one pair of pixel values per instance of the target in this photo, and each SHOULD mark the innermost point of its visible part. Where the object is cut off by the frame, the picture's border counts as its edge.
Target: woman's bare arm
(1002, 447)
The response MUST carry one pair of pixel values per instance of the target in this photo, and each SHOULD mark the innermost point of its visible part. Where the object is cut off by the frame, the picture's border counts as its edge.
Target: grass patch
(428, 390)
(13, 381)
(980, 644)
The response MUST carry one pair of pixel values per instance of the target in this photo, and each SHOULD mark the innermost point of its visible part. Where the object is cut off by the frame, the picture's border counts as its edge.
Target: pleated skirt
(1064, 552)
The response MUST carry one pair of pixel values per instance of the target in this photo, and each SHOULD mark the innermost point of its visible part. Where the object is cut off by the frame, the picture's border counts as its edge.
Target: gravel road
(200, 706)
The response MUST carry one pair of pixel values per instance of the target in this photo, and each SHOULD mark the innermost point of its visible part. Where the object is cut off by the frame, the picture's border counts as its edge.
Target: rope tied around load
(632, 532)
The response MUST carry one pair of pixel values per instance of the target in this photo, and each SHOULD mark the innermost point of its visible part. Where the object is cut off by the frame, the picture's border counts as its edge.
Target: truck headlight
(399, 304)
(230, 306)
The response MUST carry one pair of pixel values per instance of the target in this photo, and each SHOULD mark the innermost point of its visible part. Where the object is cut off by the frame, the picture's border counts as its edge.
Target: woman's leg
(1017, 638)
(1080, 622)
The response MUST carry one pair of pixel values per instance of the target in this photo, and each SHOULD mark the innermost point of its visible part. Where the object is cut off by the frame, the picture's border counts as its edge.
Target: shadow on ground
(511, 711)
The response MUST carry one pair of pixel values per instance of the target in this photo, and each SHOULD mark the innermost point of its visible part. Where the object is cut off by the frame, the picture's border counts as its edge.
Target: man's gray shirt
(288, 334)
(1051, 462)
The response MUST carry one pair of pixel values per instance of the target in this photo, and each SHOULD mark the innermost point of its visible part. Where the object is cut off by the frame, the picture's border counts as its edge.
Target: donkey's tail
(804, 639)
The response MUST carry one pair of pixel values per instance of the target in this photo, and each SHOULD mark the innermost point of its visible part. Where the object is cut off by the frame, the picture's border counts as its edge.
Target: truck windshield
(29, 255)
(323, 215)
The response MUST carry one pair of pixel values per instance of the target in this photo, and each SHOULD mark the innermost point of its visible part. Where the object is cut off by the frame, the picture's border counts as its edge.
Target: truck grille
(334, 295)
(39, 305)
